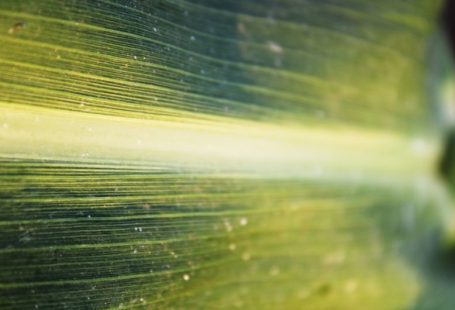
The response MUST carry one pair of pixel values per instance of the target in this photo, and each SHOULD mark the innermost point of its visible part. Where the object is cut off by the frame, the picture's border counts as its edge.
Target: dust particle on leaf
(16, 28)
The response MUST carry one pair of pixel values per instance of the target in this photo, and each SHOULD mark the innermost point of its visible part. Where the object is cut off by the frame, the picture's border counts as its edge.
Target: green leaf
(183, 154)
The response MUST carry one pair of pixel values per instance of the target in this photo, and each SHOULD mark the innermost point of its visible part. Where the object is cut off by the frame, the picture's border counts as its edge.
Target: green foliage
(217, 154)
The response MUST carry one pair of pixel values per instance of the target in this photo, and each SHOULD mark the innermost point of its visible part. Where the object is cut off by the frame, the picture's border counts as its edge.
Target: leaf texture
(226, 154)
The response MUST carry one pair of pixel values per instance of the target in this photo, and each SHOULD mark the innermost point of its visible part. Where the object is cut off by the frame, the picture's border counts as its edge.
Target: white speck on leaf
(275, 271)
(243, 221)
(274, 47)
